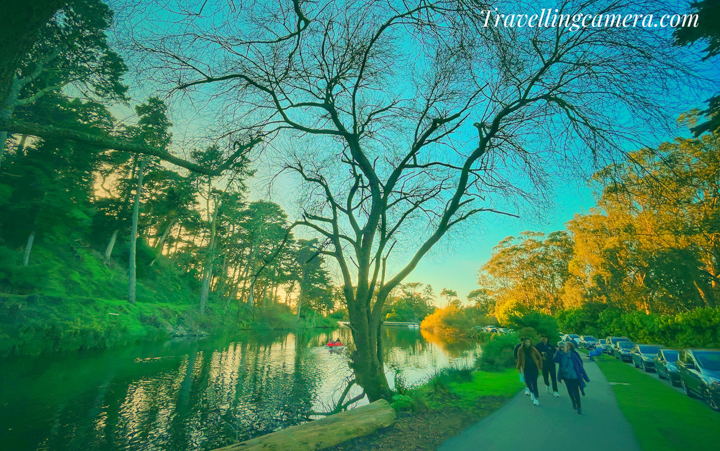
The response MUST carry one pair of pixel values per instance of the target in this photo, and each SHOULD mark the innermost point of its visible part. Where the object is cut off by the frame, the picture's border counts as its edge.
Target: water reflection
(193, 395)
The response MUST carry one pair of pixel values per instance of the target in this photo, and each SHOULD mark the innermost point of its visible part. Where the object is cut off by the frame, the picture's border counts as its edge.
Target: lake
(189, 394)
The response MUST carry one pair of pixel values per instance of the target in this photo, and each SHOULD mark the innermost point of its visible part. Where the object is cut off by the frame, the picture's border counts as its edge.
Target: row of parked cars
(494, 330)
(697, 371)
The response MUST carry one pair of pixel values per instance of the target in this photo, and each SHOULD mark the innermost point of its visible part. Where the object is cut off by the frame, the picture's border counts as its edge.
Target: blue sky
(454, 262)
(457, 267)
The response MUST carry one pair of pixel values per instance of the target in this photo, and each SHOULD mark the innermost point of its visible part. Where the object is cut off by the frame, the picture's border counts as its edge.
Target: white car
(587, 341)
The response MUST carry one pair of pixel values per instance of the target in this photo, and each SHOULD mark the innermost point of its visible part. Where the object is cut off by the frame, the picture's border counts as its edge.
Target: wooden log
(325, 432)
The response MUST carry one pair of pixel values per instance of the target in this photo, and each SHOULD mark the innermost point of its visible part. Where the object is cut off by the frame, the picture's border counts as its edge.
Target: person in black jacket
(547, 351)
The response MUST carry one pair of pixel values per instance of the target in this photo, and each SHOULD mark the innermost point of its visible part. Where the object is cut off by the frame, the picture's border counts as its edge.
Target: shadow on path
(553, 425)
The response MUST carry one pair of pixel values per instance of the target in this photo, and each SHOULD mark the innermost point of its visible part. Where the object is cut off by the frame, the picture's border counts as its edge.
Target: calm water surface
(193, 394)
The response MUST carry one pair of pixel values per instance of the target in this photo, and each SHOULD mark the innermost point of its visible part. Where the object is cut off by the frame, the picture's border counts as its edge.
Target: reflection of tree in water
(455, 347)
(272, 388)
(188, 395)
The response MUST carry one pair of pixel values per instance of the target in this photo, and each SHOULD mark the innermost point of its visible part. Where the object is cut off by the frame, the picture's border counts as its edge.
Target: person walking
(547, 351)
(571, 372)
(515, 353)
(530, 363)
(577, 361)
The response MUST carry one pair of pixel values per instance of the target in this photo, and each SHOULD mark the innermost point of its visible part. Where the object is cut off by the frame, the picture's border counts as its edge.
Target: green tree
(530, 270)
(50, 191)
(706, 28)
(70, 50)
(153, 127)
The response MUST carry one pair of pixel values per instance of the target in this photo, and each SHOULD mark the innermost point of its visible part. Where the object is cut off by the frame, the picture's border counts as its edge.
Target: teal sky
(455, 265)
(455, 261)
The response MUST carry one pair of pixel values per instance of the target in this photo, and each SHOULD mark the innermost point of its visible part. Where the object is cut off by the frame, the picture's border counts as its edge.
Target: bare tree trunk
(275, 294)
(205, 286)
(110, 246)
(7, 107)
(132, 276)
(3, 140)
(233, 289)
(28, 248)
(367, 363)
(264, 295)
(177, 241)
(161, 243)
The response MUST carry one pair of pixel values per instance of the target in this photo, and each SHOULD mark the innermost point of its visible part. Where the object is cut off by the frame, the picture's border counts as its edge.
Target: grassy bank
(35, 324)
(662, 418)
(69, 298)
(448, 403)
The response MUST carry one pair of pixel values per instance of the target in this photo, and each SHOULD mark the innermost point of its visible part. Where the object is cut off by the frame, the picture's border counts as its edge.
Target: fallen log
(323, 433)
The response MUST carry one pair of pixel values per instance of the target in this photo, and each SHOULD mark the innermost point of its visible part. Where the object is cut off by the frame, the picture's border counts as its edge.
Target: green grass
(69, 299)
(463, 388)
(662, 418)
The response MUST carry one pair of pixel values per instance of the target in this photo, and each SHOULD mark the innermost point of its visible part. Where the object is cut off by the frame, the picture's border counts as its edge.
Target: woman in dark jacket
(577, 361)
(530, 363)
(571, 371)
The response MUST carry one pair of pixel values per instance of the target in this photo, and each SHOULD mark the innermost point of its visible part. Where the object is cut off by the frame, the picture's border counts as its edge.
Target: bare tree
(378, 100)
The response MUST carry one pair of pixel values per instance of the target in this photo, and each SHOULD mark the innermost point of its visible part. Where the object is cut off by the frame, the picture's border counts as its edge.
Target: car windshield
(573, 336)
(671, 356)
(626, 344)
(589, 338)
(649, 349)
(710, 360)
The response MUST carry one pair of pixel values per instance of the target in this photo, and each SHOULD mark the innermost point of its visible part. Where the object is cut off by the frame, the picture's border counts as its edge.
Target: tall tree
(153, 127)
(71, 50)
(46, 45)
(707, 29)
(378, 98)
(50, 190)
(530, 270)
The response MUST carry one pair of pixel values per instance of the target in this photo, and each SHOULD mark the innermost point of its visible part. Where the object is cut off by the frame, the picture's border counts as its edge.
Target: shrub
(497, 354)
(696, 328)
(401, 402)
(450, 320)
(539, 322)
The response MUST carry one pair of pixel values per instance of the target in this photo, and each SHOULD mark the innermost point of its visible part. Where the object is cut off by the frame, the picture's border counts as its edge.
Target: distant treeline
(645, 263)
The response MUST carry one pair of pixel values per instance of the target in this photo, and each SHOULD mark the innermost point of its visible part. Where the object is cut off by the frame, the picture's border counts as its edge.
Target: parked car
(610, 343)
(643, 355)
(601, 345)
(502, 330)
(571, 337)
(699, 371)
(622, 350)
(588, 341)
(665, 365)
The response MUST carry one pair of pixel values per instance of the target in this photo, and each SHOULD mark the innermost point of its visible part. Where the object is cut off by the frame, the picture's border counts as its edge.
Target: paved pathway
(553, 425)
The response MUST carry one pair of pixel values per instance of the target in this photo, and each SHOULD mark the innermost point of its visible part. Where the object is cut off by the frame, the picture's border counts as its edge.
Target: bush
(539, 322)
(497, 354)
(450, 320)
(401, 402)
(698, 328)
